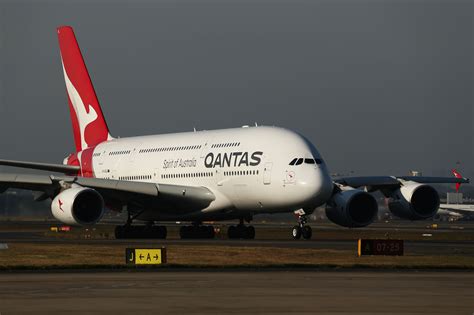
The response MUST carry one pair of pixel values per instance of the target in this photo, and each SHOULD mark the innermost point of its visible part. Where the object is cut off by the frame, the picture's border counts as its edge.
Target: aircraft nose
(315, 187)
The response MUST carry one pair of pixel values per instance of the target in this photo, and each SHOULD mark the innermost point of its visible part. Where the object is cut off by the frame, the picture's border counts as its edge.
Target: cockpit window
(299, 161)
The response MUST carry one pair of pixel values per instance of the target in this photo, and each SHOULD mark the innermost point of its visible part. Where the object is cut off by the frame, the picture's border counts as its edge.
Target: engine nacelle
(414, 201)
(78, 206)
(352, 208)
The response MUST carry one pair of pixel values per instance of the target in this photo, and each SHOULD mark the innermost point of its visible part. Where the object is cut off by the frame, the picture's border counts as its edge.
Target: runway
(239, 292)
(453, 241)
(427, 247)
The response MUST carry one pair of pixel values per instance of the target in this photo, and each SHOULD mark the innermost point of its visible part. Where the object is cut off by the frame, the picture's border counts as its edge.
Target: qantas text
(234, 159)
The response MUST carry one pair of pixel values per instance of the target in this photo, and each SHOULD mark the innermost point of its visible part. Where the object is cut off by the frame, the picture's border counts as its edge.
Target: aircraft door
(267, 173)
(219, 177)
(204, 151)
(156, 174)
(107, 169)
(131, 157)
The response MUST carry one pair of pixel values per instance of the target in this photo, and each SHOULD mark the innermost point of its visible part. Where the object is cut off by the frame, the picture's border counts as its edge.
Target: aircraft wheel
(249, 232)
(210, 231)
(296, 232)
(159, 232)
(123, 232)
(197, 232)
(232, 232)
(184, 232)
(241, 232)
(119, 232)
(307, 232)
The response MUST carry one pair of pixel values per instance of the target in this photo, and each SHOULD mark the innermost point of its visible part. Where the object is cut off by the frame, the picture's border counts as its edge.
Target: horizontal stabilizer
(59, 168)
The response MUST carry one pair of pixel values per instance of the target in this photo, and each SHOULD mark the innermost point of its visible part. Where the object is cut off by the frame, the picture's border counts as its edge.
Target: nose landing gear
(301, 229)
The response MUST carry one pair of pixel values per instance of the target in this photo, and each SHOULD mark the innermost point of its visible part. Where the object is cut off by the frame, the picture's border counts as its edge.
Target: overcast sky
(380, 87)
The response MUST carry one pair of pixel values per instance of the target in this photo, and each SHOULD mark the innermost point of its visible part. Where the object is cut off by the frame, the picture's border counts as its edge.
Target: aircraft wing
(117, 193)
(59, 168)
(373, 183)
(460, 208)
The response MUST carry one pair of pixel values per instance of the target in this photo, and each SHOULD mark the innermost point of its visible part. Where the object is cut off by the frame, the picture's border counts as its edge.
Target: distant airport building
(454, 198)
(415, 173)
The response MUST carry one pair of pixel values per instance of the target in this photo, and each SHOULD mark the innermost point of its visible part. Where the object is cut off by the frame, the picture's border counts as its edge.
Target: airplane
(456, 210)
(199, 176)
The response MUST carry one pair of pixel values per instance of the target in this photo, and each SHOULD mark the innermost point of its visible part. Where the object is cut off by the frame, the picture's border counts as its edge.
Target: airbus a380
(458, 210)
(230, 174)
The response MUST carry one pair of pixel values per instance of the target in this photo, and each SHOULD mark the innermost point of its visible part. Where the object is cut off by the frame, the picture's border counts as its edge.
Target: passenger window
(299, 162)
(293, 161)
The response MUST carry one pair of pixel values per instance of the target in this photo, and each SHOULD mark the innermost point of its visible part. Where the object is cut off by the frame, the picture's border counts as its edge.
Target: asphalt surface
(421, 247)
(34, 233)
(295, 292)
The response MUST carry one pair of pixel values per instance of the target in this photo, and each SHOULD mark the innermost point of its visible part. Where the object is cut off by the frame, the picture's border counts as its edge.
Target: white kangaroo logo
(84, 117)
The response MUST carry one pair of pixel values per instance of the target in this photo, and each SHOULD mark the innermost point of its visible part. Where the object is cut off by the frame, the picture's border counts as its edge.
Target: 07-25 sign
(380, 247)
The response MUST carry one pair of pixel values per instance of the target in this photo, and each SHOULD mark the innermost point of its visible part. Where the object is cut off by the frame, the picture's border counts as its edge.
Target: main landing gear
(301, 229)
(241, 231)
(197, 231)
(140, 231)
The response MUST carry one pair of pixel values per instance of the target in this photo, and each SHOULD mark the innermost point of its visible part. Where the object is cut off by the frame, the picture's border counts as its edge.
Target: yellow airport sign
(145, 256)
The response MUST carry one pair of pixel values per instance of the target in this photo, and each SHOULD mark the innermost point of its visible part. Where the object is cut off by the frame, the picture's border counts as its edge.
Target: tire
(232, 232)
(183, 232)
(200, 232)
(119, 232)
(241, 232)
(296, 232)
(159, 232)
(136, 232)
(307, 232)
(250, 232)
(210, 232)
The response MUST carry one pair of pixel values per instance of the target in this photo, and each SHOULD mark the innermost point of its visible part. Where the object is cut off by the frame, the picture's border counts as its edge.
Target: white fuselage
(247, 169)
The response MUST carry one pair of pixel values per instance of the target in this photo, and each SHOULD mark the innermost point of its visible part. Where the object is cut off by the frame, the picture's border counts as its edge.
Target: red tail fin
(88, 122)
(457, 175)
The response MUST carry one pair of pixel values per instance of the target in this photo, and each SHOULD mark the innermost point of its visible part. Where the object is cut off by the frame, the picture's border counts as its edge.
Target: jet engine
(414, 201)
(78, 206)
(352, 208)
